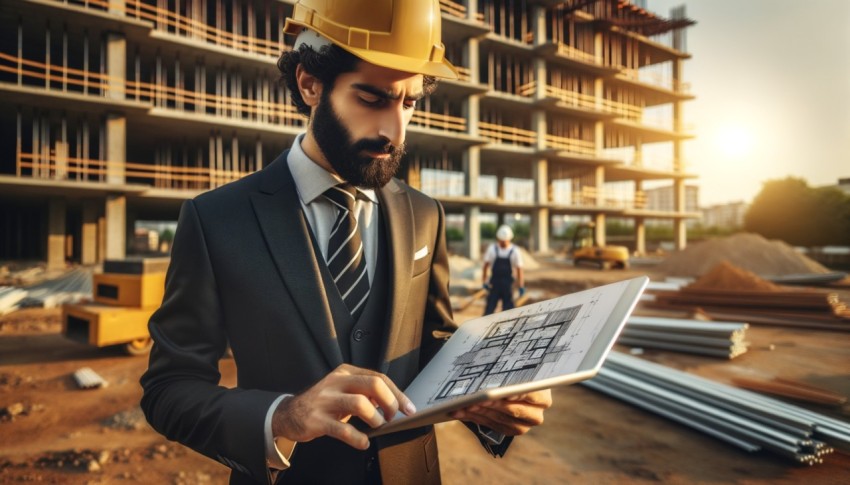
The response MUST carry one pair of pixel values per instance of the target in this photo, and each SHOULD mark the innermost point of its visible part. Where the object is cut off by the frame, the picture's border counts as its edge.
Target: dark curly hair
(326, 65)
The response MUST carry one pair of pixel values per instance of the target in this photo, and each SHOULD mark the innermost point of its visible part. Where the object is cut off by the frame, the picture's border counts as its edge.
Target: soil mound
(725, 276)
(747, 251)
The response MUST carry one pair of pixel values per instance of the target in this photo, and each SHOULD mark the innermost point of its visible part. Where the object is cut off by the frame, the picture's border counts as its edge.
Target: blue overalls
(502, 281)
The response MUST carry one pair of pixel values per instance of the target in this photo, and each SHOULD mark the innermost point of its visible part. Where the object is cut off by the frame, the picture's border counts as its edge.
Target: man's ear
(309, 86)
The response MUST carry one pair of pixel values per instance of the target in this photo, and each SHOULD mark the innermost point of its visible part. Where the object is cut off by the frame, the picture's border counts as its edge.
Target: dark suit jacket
(244, 272)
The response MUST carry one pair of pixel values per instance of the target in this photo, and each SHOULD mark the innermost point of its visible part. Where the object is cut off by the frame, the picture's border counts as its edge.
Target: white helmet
(504, 233)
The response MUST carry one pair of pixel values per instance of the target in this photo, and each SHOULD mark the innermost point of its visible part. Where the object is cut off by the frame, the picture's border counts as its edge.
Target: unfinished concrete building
(116, 111)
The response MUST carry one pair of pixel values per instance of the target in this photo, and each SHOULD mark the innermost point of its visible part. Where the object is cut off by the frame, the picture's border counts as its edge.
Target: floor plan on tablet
(511, 352)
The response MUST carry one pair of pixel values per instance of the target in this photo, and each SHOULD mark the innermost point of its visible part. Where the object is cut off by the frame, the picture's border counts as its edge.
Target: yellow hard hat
(397, 34)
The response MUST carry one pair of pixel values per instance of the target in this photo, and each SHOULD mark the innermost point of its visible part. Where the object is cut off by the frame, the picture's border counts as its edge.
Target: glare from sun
(735, 141)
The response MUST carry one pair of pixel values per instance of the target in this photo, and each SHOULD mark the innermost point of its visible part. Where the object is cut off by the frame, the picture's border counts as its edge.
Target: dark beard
(345, 156)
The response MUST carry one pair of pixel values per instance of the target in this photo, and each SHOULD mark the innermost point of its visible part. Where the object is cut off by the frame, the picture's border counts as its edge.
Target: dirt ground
(52, 432)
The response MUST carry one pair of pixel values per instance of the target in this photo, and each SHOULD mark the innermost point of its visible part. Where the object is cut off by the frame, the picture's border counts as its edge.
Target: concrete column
(539, 126)
(56, 215)
(598, 138)
(117, 7)
(89, 233)
(116, 64)
(599, 184)
(116, 148)
(680, 233)
(540, 215)
(471, 55)
(116, 126)
(640, 236)
(638, 158)
(540, 230)
(538, 26)
(116, 226)
(640, 197)
(599, 221)
(472, 171)
(471, 9)
(472, 227)
(539, 65)
(540, 174)
(258, 154)
(680, 230)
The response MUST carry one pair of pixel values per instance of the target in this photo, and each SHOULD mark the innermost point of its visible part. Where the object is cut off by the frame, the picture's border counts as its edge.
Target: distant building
(725, 216)
(844, 185)
(663, 199)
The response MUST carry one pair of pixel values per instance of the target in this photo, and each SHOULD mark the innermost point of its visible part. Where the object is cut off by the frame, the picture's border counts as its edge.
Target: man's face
(360, 124)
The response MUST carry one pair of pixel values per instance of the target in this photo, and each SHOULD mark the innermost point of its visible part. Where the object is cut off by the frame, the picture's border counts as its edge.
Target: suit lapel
(398, 214)
(288, 239)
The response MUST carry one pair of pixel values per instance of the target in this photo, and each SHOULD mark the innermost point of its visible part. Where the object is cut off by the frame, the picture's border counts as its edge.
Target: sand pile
(528, 260)
(748, 251)
(461, 268)
(725, 276)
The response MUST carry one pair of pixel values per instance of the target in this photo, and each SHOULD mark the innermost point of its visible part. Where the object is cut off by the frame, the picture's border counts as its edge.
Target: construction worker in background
(327, 277)
(504, 258)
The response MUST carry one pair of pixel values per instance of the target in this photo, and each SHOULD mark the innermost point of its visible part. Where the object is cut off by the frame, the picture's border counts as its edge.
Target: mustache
(377, 145)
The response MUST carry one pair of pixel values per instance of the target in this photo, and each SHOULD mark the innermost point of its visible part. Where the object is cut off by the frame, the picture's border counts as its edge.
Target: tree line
(789, 210)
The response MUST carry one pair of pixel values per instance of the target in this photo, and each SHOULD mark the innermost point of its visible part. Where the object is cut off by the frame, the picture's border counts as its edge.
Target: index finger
(383, 392)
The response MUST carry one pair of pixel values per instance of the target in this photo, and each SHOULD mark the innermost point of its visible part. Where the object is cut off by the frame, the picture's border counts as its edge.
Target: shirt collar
(312, 180)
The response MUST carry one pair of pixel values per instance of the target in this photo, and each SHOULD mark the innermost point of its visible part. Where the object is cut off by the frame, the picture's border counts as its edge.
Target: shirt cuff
(278, 450)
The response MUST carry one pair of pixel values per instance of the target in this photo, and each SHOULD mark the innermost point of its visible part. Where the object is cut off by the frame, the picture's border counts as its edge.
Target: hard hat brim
(443, 69)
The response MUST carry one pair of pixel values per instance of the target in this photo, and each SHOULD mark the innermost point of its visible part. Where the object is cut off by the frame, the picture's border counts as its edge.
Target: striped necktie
(345, 258)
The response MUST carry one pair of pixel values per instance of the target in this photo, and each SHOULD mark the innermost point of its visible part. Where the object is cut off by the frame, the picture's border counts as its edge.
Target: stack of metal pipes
(745, 419)
(719, 339)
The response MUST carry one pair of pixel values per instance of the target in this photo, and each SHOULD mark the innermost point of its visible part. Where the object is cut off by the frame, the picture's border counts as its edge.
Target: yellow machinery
(586, 250)
(125, 296)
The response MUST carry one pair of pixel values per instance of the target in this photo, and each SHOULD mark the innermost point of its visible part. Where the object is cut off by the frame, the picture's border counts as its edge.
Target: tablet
(539, 346)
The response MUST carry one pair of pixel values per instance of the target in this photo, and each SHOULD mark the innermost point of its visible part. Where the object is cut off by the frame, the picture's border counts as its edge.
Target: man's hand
(325, 408)
(511, 416)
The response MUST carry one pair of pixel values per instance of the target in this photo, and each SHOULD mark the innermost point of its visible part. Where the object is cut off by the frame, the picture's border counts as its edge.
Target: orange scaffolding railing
(149, 93)
(573, 145)
(439, 121)
(163, 19)
(57, 167)
(51, 73)
(507, 134)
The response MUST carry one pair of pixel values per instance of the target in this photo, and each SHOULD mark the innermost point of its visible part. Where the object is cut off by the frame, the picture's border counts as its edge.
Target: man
(327, 278)
(504, 258)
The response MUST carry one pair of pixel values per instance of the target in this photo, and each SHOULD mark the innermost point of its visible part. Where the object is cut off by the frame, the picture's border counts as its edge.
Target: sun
(735, 141)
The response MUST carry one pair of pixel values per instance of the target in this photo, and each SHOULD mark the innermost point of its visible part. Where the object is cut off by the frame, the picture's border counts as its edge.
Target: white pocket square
(421, 253)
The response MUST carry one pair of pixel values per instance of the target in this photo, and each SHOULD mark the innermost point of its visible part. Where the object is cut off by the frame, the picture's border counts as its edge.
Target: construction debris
(809, 279)
(748, 251)
(18, 409)
(718, 339)
(745, 419)
(86, 378)
(731, 293)
(73, 286)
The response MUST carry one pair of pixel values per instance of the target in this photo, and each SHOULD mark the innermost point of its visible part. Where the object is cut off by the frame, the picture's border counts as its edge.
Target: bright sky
(772, 86)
